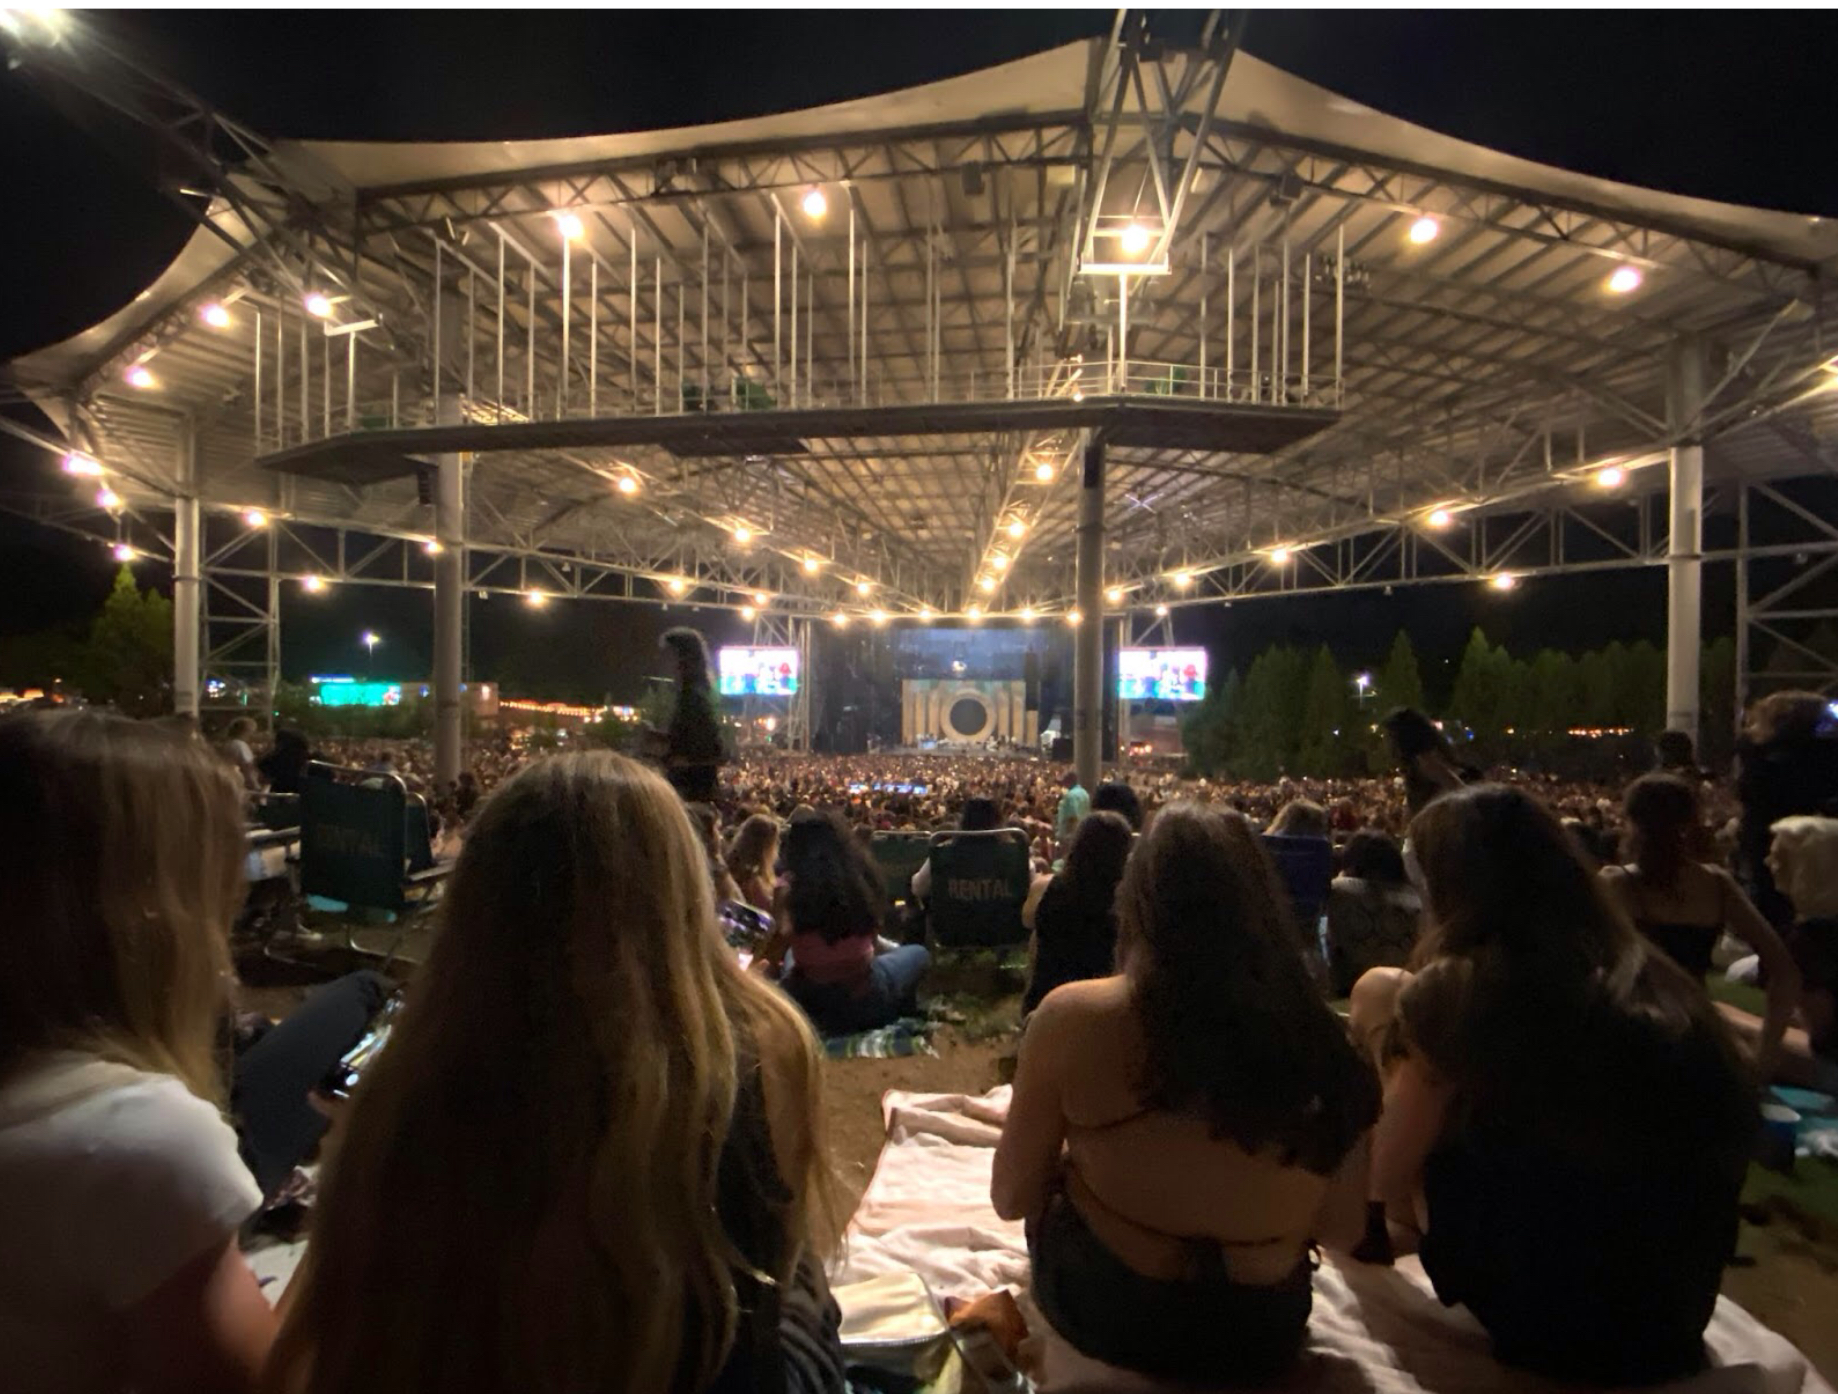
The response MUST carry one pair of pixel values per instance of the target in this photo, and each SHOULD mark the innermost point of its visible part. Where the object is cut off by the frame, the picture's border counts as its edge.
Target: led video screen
(750, 672)
(1161, 675)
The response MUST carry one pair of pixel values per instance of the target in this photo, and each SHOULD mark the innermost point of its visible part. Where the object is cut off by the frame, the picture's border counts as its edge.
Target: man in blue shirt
(1074, 804)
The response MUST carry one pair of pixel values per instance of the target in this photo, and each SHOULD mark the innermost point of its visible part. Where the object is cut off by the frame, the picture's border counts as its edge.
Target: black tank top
(1686, 944)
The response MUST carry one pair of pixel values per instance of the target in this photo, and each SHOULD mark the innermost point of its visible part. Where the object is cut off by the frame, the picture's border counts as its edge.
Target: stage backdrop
(953, 709)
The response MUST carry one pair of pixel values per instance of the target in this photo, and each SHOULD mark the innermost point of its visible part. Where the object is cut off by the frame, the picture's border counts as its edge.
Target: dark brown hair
(1662, 826)
(1235, 1028)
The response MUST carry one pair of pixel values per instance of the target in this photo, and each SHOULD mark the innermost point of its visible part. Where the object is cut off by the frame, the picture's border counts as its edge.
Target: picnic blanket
(1373, 1331)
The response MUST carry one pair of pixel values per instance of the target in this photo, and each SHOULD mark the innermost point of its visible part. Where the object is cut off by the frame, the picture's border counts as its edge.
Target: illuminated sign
(1161, 675)
(750, 672)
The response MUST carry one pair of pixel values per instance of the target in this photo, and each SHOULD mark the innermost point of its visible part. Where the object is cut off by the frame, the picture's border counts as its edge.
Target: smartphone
(343, 1077)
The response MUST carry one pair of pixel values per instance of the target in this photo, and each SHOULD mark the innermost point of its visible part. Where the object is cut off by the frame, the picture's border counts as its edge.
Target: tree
(1717, 702)
(128, 659)
(1480, 697)
(1326, 719)
(1399, 682)
(1275, 689)
(1210, 727)
(1556, 692)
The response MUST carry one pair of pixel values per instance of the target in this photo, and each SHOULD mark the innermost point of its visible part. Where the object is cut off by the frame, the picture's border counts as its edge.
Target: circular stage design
(970, 718)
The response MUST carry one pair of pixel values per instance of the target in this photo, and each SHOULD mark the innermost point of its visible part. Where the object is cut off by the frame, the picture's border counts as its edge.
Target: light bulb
(107, 498)
(1114, 595)
(840, 620)
(140, 376)
(314, 584)
(1623, 279)
(863, 587)
(676, 585)
(1424, 230)
(1441, 518)
(925, 612)
(878, 616)
(432, 547)
(1279, 556)
(1073, 617)
(1611, 478)
(1027, 613)
(743, 534)
(569, 226)
(255, 518)
(1505, 581)
(318, 305)
(747, 612)
(1183, 579)
(815, 204)
(760, 597)
(1043, 472)
(1017, 528)
(1161, 612)
(535, 599)
(628, 484)
(987, 584)
(122, 552)
(1135, 240)
(215, 315)
(81, 465)
(974, 612)
(812, 565)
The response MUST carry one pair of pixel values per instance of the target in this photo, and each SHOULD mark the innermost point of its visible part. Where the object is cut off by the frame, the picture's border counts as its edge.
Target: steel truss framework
(974, 249)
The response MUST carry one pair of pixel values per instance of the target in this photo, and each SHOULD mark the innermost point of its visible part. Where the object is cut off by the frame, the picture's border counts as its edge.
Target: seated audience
(1564, 1110)
(751, 857)
(1372, 911)
(121, 1191)
(827, 947)
(1174, 1129)
(591, 1156)
(1684, 906)
(284, 766)
(1075, 924)
(1804, 865)
(980, 816)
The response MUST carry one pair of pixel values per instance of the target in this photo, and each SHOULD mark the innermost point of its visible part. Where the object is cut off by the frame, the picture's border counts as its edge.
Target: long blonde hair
(525, 1196)
(121, 861)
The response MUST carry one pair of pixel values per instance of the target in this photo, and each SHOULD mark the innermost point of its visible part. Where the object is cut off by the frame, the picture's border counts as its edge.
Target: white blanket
(1373, 1331)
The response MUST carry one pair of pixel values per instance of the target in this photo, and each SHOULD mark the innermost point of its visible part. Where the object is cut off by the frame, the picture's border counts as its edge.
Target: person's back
(121, 1190)
(1566, 1105)
(1075, 923)
(1203, 1101)
(592, 1155)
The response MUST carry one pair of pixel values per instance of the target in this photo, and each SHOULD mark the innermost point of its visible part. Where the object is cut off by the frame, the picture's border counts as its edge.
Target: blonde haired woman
(591, 1157)
(120, 1186)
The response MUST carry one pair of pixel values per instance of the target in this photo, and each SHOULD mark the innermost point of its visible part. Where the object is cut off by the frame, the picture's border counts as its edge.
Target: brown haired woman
(121, 1191)
(592, 1155)
(1684, 905)
(1563, 1104)
(1174, 1130)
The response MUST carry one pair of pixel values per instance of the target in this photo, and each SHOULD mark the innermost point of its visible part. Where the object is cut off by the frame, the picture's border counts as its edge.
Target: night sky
(1736, 109)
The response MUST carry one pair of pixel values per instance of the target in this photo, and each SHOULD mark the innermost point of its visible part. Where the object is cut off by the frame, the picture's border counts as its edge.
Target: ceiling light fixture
(1425, 229)
(215, 315)
(815, 205)
(1624, 278)
(318, 305)
(1440, 518)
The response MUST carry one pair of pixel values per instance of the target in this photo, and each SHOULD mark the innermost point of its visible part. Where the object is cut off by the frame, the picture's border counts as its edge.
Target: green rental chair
(979, 884)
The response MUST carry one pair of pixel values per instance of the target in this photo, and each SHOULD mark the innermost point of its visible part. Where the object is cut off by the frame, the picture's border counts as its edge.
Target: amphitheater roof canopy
(853, 350)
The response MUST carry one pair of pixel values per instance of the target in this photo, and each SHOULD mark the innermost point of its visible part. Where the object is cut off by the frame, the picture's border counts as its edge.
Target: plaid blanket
(907, 1036)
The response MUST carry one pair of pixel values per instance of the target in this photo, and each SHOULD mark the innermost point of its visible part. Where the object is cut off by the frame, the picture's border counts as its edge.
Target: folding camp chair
(979, 884)
(899, 856)
(364, 841)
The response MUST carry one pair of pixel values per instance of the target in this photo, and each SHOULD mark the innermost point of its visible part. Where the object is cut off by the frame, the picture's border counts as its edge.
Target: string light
(1043, 472)
(987, 584)
(432, 547)
(535, 599)
(141, 376)
(1017, 528)
(999, 562)
(1114, 595)
(974, 612)
(107, 498)
(1279, 556)
(925, 613)
(1161, 612)
(1183, 579)
(1505, 581)
(313, 584)
(255, 518)
(318, 305)
(1135, 240)
(878, 616)
(1027, 613)
(863, 587)
(1441, 518)
(760, 598)
(840, 620)
(1425, 229)
(1073, 617)
(628, 484)
(215, 315)
(1611, 478)
(81, 465)
(676, 585)
(569, 226)
(743, 534)
(747, 612)
(812, 565)
(123, 553)
(815, 204)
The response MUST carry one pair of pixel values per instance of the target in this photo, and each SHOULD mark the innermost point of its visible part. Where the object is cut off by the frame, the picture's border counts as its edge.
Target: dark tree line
(1301, 713)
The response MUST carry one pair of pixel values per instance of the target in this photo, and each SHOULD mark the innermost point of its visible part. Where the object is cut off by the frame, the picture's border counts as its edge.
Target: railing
(693, 394)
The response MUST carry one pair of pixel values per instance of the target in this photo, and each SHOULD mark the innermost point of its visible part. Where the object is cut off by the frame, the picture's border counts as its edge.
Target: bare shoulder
(1090, 1001)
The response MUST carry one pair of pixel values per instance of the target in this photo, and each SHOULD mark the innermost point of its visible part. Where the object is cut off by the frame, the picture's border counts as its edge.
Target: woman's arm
(1027, 1158)
(1743, 920)
(205, 1330)
(1415, 1112)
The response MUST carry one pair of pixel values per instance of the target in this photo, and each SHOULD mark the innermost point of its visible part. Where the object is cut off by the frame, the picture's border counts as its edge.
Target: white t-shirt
(111, 1180)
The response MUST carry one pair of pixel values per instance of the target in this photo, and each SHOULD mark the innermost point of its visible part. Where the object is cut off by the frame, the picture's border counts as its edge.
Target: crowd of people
(593, 1154)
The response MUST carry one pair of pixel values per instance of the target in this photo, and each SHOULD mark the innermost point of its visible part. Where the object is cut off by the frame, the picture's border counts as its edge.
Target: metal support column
(1684, 562)
(449, 613)
(1088, 638)
(187, 579)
